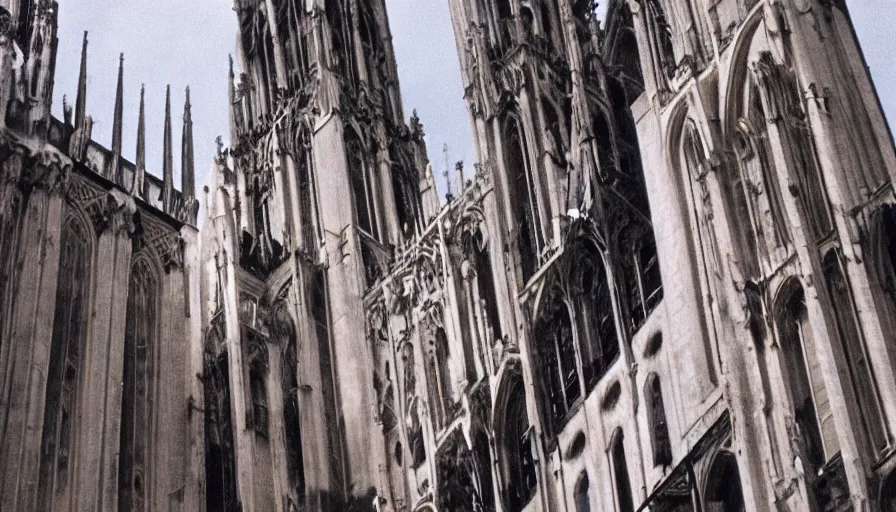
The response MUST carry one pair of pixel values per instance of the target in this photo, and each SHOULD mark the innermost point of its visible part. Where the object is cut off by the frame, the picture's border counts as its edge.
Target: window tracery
(363, 185)
(137, 399)
(518, 461)
(295, 463)
(58, 444)
(860, 368)
(598, 335)
(724, 490)
(554, 335)
(521, 178)
(220, 452)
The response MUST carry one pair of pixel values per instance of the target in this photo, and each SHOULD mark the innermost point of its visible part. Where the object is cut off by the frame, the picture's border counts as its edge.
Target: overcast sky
(186, 42)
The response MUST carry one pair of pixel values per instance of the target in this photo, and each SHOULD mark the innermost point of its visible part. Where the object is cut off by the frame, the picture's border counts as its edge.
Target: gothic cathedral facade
(667, 284)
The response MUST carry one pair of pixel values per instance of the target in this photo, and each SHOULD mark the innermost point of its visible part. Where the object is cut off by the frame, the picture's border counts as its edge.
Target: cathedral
(667, 284)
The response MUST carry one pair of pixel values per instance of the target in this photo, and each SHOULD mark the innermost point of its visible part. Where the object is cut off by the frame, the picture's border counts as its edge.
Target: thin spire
(188, 185)
(167, 162)
(81, 98)
(140, 171)
(117, 124)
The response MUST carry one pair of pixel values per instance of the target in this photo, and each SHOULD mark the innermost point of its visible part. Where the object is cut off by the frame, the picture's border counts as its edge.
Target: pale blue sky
(186, 42)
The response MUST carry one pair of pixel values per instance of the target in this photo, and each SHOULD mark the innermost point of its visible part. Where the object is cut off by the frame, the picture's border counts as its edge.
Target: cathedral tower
(322, 184)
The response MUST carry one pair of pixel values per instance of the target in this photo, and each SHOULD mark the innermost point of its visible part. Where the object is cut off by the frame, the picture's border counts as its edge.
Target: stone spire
(188, 164)
(231, 84)
(81, 98)
(137, 188)
(167, 160)
(115, 173)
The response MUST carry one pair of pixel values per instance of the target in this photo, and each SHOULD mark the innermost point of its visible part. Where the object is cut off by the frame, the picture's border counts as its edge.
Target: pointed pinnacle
(81, 98)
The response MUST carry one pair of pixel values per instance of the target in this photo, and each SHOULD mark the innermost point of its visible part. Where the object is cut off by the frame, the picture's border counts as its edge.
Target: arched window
(521, 178)
(659, 426)
(859, 365)
(661, 38)
(600, 340)
(805, 382)
(723, 487)
(621, 481)
(220, 452)
(583, 500)
(439, 378)
(644, 280)
(558, 356)
(483, 469)
(66, 349)
(292, 419)
(307, 185)
(136, 398)
(518, 464)
(363, 185)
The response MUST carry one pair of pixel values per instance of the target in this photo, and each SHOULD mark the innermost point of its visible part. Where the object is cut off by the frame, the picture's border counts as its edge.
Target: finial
(81, 98)
(188, 169)
(167, 159)
(115, 172)
(140, 171)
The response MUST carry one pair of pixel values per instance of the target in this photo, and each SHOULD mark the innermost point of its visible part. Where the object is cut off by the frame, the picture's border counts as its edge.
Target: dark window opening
(520, 479)
(136, 399)
(320, 315)
(805, 384)
(363, 186)
(723, 490)
(295, 463)
(63, 376)
(582, 500)
(600, 337)
(659, 427)
(623, 486)
(646, 283)
(486, 284)
(558, 359)
(859, 365)
(662, 35)
(220, 454)
(259, 392)
(523, 196)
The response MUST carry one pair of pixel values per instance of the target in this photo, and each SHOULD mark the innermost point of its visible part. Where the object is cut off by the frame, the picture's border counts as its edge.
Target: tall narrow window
(600, 339)
(64, 374)
(805, 383)
(524, 198)
(621, 481)
(136, 399)
(583, 500)
(659, 427)
(8, 248)
(320, 315)
(363, 187)
(220, 452)
(558, 358)
(440, 388)
(860, 370)
(519, 464)
(485, 282)
(310, 218)
(295, 464)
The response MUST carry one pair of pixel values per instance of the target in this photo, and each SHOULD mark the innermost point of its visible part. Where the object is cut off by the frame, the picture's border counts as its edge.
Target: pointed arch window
(558, 357)
(137, 400)
(621, 481)
(859, 364)
(521, 177)
(363, 186)
(58, 443)
(292, 426)
(724, 491)
(439, 378)
(518, 463)
(307, 185)
(582, 498)
(600, 347)
(659, 426)
(805, 382)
